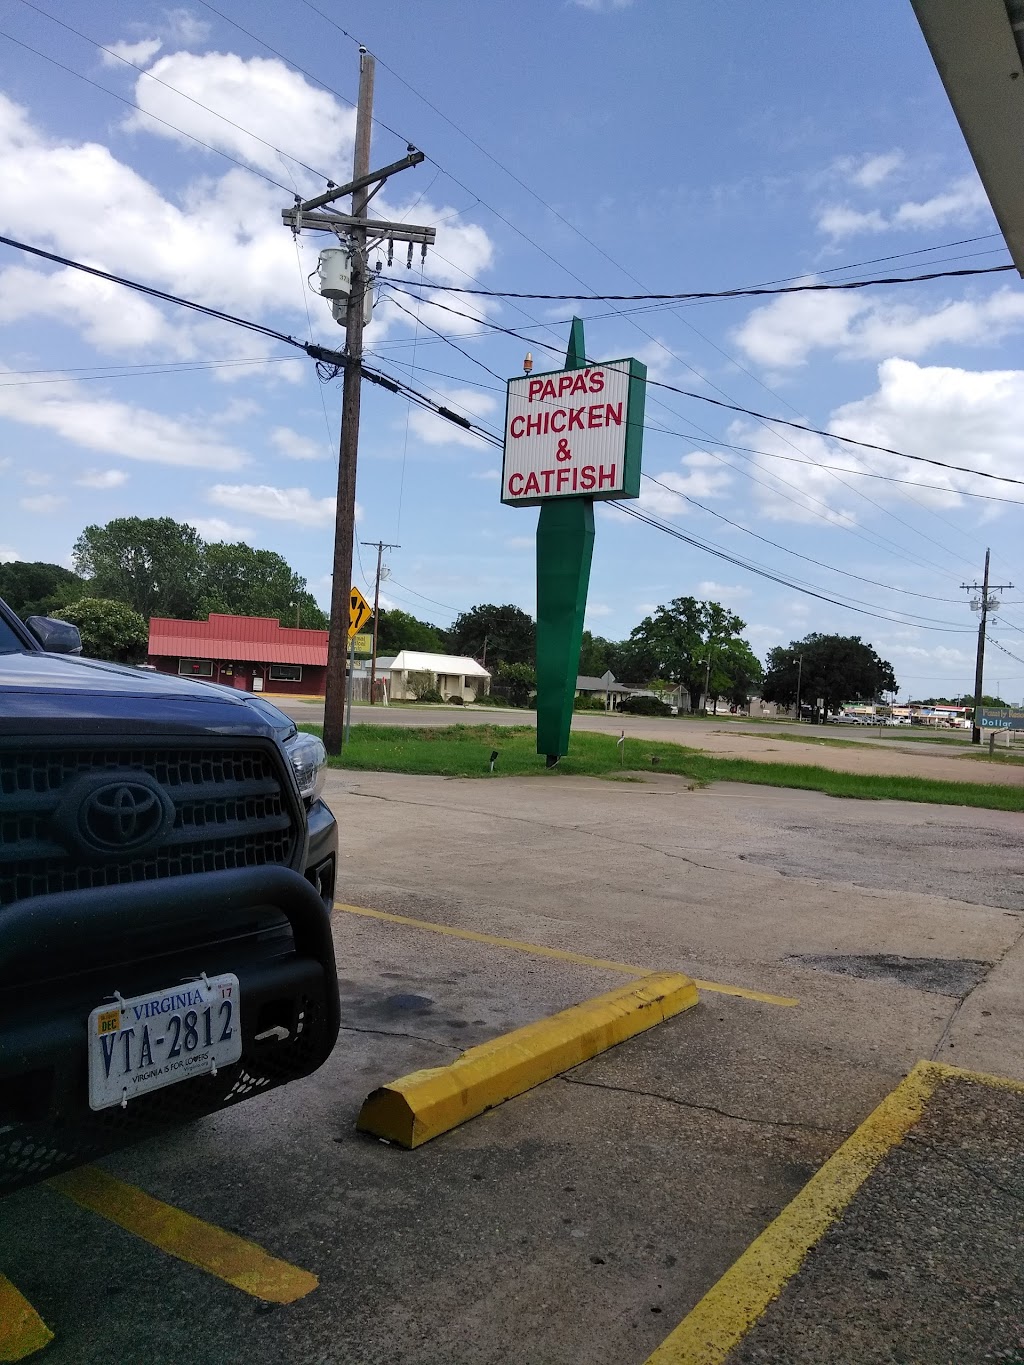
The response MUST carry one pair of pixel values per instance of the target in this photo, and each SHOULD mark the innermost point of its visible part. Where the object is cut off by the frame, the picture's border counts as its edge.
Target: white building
(454, 676)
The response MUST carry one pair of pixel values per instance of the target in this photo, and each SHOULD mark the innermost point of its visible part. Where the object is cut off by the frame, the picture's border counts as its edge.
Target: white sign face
(565, 434)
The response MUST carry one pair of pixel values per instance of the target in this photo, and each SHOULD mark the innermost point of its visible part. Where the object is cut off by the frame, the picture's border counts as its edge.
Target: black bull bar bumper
(63, 955)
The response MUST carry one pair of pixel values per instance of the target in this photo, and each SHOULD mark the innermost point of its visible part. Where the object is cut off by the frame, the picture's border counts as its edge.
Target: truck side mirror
(56, 637)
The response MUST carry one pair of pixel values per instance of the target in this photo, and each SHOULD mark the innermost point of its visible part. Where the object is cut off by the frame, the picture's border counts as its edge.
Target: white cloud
(874, 169)
(45, 502)
(296, 446)
(219, 241)
(279, 504)
(240, 105)
(216, 528)
(102, 478)
(438, 431)
(8, 556)
(487, 474)
(117, 428)
(722, 592)
(963, 202)
(967, 417)
(595, 610)
(705, 477)
(784, 332)
(184, 26)
(520, 543)
(839, 220)
(139, 53)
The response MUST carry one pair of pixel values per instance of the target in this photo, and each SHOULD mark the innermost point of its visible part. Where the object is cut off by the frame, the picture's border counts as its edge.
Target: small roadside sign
(362, 644)
(359, 612)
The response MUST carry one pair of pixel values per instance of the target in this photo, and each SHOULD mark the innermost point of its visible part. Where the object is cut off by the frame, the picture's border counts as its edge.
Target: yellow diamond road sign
(359, 612)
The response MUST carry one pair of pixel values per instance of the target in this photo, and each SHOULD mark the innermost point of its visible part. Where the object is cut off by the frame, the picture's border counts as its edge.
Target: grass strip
(465, 751)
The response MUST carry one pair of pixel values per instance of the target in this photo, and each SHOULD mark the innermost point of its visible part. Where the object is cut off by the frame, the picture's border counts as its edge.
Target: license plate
(157, 1039)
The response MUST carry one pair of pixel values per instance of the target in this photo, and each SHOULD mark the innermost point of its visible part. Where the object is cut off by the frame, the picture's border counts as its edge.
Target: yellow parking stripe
(730, 1308)
(22, 1330)
(561, 954)
(240, 1263)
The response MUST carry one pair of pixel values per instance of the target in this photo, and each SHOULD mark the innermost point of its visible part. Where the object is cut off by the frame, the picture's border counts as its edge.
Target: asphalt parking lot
(837, 943)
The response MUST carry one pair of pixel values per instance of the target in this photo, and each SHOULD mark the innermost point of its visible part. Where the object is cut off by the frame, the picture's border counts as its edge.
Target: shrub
(589, 703)
(645, 706)
(423, 686)
(487, 699)
(455, 701)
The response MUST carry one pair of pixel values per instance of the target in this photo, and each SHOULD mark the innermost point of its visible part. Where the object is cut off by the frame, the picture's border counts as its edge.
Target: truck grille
(231, 809)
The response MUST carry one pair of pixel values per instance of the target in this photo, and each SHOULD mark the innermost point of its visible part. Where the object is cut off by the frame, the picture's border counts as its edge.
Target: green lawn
(465, 750)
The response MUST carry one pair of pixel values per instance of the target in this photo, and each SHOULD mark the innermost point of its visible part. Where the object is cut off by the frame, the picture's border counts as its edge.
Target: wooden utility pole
(356, 229)
(381, 546)
(985, 604)
(345, 511)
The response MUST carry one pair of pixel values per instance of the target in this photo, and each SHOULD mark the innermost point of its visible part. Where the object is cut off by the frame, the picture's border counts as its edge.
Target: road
(584, 1219)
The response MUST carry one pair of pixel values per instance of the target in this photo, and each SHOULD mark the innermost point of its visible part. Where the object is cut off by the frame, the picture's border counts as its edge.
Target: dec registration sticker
(158, 1039)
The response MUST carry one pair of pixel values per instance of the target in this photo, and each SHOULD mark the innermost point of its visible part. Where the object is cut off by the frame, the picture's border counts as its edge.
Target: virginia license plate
(157, 1039)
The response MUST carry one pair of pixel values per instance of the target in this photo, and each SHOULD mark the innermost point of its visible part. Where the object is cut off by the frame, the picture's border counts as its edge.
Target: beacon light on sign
(574, 433)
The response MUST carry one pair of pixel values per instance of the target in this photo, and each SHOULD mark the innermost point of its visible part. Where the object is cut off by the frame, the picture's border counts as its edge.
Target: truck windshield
(9, 642)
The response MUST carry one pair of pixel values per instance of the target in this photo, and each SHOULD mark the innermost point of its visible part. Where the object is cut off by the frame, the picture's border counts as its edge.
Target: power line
(721, 293)
(752, 412)
(332, 361)
(945, 628)
(833, 568)
(137, 372)
(456, 611)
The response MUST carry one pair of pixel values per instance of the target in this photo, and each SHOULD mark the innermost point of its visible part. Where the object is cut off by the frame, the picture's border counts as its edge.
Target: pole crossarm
(360, 182)
(297, 219)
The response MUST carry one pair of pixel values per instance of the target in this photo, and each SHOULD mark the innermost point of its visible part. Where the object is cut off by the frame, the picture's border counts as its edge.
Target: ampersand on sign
(562, 451)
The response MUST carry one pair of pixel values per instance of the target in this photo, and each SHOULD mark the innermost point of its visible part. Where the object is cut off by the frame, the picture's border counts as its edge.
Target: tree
(680, 640)
(838, 668)
(595, 655)
(241, 581)
(153, 564)
(735, 672)
(516, 682)
(398, 630)
(35, 589)
(162, 567)
(109, 630)
(507, 635)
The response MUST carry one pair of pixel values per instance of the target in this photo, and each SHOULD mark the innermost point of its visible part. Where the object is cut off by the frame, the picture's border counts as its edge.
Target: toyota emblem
(113, 814)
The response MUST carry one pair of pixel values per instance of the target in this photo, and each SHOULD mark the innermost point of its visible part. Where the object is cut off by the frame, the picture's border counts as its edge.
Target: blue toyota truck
(167, 873)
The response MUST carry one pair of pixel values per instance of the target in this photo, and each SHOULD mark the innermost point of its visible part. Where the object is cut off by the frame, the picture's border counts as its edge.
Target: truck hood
(76, 693)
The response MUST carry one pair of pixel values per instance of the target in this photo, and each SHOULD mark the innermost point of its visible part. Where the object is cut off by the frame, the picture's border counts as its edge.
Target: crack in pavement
(944, 1035)
(392, 1033)
(708, 1108)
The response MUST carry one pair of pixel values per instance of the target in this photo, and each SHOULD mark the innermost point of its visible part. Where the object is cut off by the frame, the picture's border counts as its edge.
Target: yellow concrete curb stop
(22, 1330)
(420, 1106)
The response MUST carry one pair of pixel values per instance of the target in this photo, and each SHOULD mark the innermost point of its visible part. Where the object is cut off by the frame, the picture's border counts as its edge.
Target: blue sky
(634, 145)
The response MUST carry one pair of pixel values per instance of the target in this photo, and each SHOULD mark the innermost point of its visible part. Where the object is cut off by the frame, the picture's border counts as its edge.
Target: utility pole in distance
(355, 229)
(381, 546)
(983, 604)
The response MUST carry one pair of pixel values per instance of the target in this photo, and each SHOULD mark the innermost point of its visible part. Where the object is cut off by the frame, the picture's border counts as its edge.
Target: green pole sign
(572, 437)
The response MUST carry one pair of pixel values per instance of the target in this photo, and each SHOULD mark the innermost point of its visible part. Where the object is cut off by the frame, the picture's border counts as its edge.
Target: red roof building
(252, 653)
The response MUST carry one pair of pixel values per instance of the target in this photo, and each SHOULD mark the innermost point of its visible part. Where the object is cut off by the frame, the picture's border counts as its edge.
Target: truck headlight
(308, 758)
